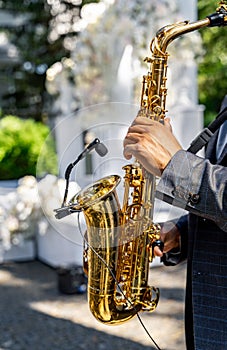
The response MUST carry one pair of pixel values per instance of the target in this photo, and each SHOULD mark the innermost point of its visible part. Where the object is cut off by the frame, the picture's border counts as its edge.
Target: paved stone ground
(34, 315)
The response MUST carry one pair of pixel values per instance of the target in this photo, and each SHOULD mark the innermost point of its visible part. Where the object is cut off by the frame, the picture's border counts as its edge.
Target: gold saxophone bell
(118, 247)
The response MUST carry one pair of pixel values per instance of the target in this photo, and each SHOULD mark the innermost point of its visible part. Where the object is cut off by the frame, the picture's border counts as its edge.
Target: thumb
(167, 123)
(158, 252)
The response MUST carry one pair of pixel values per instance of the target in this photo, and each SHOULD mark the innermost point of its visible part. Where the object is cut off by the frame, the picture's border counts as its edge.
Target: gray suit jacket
(200, 186)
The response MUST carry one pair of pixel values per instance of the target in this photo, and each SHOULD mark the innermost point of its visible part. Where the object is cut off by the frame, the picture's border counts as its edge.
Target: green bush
(26, 148)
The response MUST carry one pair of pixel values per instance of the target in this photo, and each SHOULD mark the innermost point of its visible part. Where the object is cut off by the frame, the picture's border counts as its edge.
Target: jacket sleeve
(196, 185)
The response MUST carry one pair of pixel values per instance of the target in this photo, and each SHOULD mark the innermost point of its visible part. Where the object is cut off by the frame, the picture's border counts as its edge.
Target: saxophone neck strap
(203, 138)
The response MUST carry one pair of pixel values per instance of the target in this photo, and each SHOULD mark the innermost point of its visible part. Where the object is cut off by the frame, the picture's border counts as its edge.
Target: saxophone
(119, 242)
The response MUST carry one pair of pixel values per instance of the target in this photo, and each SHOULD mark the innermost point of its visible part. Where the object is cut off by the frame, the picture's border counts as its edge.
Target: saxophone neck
(154, 91)
(167, 34)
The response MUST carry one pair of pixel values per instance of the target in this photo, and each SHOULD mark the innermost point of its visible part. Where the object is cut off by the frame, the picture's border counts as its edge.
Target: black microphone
(100, 148)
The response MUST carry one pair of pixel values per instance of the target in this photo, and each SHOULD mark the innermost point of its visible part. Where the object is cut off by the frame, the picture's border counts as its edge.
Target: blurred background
(70, 71)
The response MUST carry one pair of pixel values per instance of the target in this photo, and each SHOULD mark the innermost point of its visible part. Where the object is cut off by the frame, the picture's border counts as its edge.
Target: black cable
(144, 327)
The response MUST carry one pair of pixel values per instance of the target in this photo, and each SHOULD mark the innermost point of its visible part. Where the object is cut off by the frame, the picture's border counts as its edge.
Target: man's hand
(151, 143)
(170, 236)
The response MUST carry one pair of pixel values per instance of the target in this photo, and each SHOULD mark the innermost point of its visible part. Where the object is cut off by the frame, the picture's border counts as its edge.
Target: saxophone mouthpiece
(219, 18)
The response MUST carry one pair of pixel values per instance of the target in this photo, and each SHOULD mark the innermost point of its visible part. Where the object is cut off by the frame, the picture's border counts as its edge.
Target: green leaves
(40, 37)
(212, 73)
(22, 144)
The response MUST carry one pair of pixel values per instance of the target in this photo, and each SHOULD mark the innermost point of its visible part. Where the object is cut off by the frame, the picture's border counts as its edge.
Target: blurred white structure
(186, 114)
(108, 72)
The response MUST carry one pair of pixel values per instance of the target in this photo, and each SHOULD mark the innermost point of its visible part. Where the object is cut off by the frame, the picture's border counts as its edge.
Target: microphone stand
(101, 150)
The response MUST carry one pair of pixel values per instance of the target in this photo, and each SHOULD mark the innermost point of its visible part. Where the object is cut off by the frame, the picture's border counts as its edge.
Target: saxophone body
(118, 244)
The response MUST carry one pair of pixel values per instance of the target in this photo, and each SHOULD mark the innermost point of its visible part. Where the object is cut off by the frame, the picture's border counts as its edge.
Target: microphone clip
(65, 211)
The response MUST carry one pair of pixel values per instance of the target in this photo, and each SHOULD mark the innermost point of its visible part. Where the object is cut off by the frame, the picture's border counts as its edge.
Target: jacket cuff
(179, 184)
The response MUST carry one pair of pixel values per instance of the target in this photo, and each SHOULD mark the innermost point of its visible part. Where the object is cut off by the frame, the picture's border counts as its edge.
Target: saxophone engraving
(118, 244)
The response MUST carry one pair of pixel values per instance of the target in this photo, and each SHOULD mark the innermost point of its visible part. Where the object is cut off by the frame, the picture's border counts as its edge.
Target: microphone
(99, 147)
